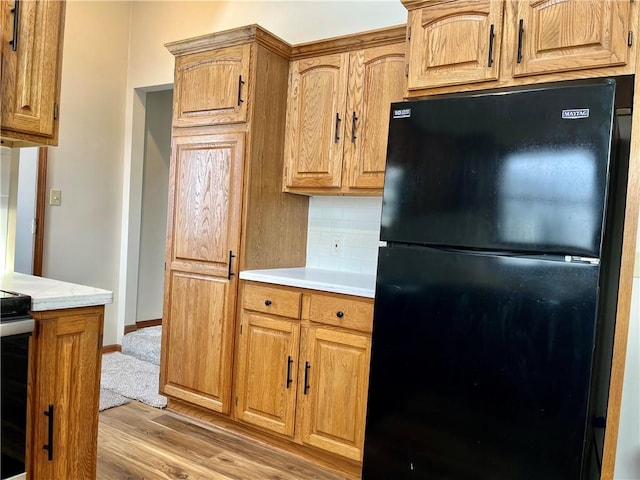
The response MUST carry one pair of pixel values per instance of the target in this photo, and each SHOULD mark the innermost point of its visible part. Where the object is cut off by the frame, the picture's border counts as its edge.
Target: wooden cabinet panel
(376, 79)
(454, 42)
(338, 112)
(205, 198)
(315, 121)
(67, 357)
(30, 73)
(199, 340)
(562, 35)
(267, 380)
(341, 312)
(276, 301)
(212, 87)
(334, 366)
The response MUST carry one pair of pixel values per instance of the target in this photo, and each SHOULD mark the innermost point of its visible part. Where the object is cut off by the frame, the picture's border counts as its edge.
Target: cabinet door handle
(16, 25)
(338, 120)
(353, 127)
(289, 362)
(267, 303)
(306, 377)
(231, 257)
(49, 446)
(520, 34)
(240, 83)
(491, 39)
(339, 314)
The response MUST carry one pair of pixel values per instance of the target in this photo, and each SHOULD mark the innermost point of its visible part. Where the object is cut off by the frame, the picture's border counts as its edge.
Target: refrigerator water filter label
(573, 113)
(402, 113)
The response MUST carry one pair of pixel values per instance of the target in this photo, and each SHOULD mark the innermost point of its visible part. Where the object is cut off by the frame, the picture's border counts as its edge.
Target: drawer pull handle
(49, 446)
(267, 302)
(339, 314)
(307, 366)
(289, 362)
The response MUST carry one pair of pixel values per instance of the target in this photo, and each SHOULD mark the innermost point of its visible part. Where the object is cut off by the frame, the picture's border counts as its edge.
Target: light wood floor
(137, 442)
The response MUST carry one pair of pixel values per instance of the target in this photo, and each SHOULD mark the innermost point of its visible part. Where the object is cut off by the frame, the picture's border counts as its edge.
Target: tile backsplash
(343, 233)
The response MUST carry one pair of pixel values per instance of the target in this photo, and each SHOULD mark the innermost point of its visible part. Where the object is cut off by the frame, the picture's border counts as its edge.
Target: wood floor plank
(137, 442)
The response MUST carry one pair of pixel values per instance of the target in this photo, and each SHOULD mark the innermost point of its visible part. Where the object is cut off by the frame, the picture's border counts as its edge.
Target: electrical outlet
(55, 197)
(336, 245)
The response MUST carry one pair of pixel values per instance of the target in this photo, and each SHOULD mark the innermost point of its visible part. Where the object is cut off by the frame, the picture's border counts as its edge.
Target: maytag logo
(575, 113)
(402, 113)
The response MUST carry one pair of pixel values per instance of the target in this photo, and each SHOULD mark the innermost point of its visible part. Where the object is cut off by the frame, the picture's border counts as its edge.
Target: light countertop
(358, 284)
(48, 294)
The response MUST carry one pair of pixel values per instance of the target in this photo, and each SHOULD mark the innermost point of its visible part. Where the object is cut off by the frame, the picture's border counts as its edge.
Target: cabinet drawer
(342, 312)
(276, 301)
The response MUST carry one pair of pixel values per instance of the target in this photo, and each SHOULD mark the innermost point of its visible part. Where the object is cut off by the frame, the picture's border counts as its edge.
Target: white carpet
(109, 399)
(143, 344)
(132, 378)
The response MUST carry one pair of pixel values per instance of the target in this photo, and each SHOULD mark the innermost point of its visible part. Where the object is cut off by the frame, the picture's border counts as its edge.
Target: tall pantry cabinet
(227, 211)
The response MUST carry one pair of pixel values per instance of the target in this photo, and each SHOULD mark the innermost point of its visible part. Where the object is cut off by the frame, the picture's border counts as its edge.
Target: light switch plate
(55, 197)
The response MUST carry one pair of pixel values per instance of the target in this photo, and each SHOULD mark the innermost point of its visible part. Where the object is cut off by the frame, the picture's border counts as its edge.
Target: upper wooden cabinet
(340, 91)
(558, 36)
(211, 87)
(454, 45)
(32, 33)
(454, 42)
(315, 121)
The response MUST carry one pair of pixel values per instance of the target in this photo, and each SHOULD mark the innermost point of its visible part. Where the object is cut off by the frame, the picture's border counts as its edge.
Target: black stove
(14, 306)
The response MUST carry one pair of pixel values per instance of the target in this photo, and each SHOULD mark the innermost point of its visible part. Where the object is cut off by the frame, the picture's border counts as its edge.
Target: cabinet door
(561, 35)
(68, 349)
(315, 123)
(205, 199)
(198, 339)
(211, 87)
(31, 56)
(334, 373)
(266, 375)
(454, 42)
(376, 79)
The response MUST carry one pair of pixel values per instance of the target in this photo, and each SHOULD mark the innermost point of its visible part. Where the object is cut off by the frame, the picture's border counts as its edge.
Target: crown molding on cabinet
(228, 38)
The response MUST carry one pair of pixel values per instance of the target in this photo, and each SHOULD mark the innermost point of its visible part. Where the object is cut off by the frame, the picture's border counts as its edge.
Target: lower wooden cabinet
(199, 340)
(333, 401)
(267, 373)
(66, 354)
(302, 371)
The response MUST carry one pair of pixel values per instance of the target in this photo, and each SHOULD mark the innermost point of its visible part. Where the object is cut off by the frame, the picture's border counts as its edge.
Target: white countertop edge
(58, 303)
(292, 278)
(50, 294)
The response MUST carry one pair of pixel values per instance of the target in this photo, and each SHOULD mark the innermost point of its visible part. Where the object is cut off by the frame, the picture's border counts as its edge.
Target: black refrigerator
(495, 293)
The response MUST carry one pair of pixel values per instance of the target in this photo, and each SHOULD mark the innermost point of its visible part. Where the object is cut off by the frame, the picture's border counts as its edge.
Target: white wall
(82, 236)
(26, 210)
(155, 186)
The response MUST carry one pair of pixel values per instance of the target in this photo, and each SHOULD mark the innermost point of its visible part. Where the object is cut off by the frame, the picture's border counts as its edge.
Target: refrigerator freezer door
(520, 171)
(480, 367)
